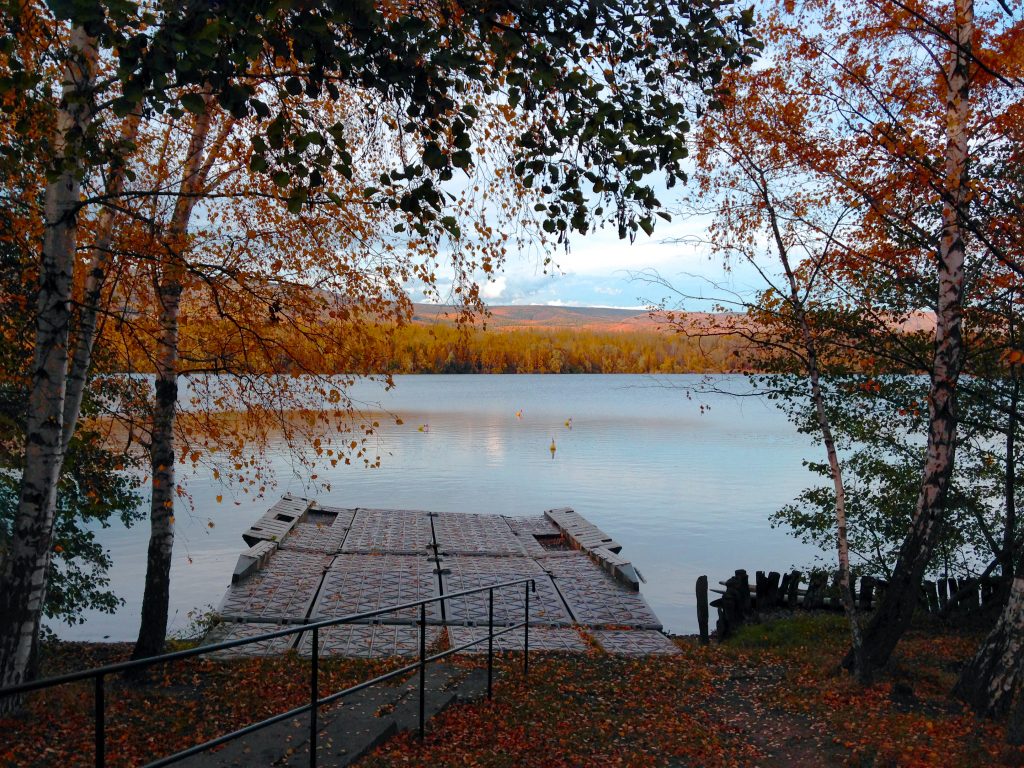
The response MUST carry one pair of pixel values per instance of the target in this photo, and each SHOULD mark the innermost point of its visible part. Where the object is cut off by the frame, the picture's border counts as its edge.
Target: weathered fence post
(730, 605)
(702, 608)
(743, 589)
(793, 593)
(931, 596)
(815, 597)
(772, 590)
(971, 600)
(989, 592)
(954, 587)
(867, 589)
(760, 591)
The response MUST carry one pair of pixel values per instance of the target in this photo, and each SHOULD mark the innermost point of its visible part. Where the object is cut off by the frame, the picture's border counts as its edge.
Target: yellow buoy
(553, 448)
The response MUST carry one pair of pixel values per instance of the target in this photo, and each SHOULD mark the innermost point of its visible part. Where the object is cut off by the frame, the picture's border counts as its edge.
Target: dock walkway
(307, 561)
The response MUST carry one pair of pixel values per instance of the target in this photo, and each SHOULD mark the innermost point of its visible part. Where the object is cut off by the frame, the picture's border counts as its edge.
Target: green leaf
(296, 201)
(122, 107)
(194, 103)
(281, 178)
(261, 109)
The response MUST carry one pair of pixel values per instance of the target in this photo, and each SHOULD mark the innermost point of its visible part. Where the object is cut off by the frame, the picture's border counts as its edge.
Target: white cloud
(495, 288)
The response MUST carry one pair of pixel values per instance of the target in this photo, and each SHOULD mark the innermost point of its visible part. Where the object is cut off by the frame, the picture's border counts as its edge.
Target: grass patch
(792, 632)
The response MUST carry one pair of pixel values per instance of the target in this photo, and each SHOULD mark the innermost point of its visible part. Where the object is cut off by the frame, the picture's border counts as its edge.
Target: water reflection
(687, 493)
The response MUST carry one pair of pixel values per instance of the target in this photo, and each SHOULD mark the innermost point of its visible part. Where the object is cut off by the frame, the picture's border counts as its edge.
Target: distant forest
(437, 347)
(446, 349)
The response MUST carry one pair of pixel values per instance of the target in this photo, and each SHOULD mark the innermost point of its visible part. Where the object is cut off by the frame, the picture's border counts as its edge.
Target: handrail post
(100, 718)
(526, 632)
(314, 695)
(423, 667)
(490, 642)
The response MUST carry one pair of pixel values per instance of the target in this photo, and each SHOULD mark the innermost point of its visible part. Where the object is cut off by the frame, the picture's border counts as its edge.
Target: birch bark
(896, 608)
(88, 318)
(25, 565)
(810, 346)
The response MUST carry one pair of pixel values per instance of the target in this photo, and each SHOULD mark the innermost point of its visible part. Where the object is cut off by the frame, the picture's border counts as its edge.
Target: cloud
(495, 288)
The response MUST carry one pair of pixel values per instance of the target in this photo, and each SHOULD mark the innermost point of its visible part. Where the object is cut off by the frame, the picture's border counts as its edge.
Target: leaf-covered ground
(771, 697)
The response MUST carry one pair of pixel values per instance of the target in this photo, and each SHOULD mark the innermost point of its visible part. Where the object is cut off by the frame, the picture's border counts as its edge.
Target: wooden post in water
(730, 605)
(988, 592)
(954, 587)
(702, 609)
(971, 602)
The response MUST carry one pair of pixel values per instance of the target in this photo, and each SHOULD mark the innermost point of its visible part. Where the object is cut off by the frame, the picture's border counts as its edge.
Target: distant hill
(544, 317)
(539, 316)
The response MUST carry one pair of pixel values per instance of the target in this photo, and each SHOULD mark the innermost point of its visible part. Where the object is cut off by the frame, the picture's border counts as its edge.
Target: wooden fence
(740, 599)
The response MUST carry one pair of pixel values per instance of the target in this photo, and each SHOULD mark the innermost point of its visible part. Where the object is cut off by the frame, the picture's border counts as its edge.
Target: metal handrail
(99, 673)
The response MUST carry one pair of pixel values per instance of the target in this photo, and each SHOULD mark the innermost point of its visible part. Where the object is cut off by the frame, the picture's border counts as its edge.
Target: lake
(685, 483)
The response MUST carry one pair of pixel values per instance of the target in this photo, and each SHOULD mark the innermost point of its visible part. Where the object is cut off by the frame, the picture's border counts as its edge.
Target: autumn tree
(769, 213)
(589, 79)
(885, 117)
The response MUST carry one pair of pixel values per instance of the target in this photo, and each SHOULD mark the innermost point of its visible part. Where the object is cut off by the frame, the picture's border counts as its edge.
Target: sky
(600, 270)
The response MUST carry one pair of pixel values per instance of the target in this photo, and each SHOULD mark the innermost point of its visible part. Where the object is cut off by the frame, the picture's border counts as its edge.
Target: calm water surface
(686, 490)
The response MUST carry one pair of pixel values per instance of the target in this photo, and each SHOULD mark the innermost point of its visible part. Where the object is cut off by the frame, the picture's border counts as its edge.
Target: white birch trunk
(991, 681)
(24, 569)
(814, 377)
(896, 609)
(88, 318)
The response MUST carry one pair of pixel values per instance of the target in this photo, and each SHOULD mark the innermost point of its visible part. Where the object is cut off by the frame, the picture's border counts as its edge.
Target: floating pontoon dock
(307, 561)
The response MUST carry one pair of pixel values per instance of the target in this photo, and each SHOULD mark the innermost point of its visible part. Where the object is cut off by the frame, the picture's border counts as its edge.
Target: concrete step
(353, 727)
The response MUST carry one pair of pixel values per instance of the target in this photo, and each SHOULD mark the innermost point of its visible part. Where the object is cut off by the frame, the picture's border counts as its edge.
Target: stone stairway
(353, 727)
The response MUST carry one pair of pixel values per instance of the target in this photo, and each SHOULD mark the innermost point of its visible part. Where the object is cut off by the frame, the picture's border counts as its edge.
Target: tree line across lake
(445, 348)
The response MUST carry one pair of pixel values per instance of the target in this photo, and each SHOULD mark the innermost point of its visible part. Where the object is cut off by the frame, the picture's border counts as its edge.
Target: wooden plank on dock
(357, 583)
(369, 641)
(397, 531)
(541, 639)
(636, 642)
(320, 529)
(474, 534)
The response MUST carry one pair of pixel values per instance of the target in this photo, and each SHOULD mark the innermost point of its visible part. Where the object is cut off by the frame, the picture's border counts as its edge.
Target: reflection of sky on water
(686, 493)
